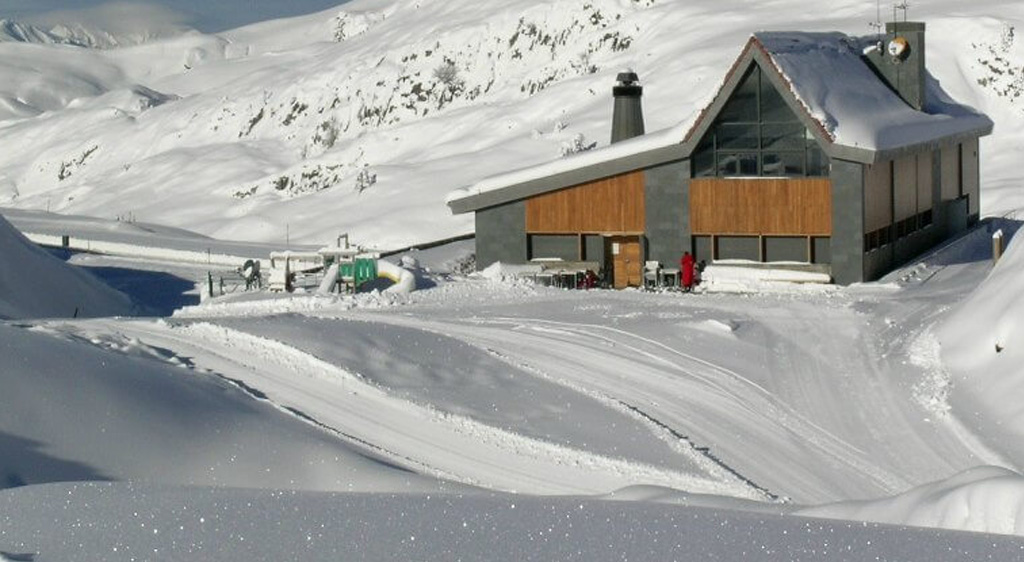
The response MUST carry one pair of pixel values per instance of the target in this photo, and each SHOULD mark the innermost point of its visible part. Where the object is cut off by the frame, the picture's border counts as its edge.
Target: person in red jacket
(686, 268)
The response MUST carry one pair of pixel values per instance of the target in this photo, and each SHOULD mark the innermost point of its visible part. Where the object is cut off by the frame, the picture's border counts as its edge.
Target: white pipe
(405, 281)
(329, 279)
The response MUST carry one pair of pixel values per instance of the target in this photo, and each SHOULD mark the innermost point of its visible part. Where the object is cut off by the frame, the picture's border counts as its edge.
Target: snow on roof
(827, 76)
(854, 107)
(624, 149)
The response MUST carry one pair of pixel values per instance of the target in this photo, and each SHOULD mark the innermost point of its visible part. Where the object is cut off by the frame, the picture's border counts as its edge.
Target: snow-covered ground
(737, 411)
(480, 417)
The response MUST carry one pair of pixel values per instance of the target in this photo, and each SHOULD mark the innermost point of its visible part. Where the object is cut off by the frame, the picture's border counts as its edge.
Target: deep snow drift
(126, 522)
(34, 284)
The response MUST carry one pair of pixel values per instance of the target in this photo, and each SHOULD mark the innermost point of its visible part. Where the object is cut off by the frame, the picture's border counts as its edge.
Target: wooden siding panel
(761, 206)
(950, 172)
(878, 196)
(609, 205)
(924, 182)
(905, 188)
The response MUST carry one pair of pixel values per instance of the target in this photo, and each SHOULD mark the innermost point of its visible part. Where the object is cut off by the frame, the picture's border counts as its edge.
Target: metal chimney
(627, 114)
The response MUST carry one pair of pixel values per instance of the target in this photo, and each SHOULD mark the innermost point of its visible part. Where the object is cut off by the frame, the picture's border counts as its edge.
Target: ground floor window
(884, 236)
(800, 249)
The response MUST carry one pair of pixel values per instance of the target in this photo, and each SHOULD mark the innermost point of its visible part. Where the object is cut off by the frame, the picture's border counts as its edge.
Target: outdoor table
(669, 277)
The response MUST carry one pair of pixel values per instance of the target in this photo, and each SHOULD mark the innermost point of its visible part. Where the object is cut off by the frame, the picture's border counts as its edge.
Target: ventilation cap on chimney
(627, 114)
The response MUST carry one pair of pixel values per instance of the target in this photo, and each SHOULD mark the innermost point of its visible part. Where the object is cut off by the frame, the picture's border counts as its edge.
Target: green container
(359, 271)
(347, 270)
(365, 270)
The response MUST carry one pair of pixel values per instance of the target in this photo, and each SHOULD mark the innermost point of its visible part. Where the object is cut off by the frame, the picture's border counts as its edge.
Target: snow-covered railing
(136, 251)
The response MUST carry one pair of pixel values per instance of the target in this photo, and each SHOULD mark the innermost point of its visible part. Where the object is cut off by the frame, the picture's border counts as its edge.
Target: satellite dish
(898, 48)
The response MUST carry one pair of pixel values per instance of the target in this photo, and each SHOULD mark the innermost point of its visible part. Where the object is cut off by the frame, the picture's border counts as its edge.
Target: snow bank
(35, 284)
(134, 521)
(108, 407)
(725, 278)
(983, 347)
(985, 499)
(404, 280)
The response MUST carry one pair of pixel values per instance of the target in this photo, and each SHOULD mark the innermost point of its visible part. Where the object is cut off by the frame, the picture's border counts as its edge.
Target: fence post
(997, 246)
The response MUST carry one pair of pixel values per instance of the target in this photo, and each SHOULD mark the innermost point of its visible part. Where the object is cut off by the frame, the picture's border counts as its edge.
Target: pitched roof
(821, 76)
(827, 75)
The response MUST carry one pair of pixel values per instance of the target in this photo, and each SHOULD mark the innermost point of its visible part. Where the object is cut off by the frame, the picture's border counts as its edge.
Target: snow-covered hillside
(106, 25)
(362, 118)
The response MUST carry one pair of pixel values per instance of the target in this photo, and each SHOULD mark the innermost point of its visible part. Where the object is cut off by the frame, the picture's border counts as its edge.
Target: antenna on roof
(905, 6)
(877, 24)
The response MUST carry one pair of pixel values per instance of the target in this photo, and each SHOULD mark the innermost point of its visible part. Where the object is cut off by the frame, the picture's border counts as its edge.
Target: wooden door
(624, 255)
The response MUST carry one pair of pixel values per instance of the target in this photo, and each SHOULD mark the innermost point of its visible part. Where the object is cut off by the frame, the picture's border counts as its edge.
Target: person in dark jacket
(686, 268)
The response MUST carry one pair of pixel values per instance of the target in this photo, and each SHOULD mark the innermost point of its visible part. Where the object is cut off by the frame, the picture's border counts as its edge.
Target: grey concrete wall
(822, 250)
(956, 213)
(907, 76)
(908, 247)
(847, 246)
(878, 262)
(501, 234)
(667, 207)
(972, 179)
(702, 248)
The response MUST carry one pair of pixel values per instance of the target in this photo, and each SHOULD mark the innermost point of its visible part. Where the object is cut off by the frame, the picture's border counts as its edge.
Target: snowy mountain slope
(363, 118)
(106, 26)
(35, 284)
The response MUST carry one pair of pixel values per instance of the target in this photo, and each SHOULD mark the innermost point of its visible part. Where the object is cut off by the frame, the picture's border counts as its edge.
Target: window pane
(742, 164)
(783, 163)
(817, 162)
(704, 161)
(783, 136)
(736, 136)
(742, 107)
(773, 107)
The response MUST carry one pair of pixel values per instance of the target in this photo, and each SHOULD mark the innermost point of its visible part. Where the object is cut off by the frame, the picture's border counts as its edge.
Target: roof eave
(569, 178)
(874, 156)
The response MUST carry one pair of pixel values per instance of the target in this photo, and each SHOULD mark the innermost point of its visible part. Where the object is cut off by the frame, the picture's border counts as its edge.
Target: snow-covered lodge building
(820, 149)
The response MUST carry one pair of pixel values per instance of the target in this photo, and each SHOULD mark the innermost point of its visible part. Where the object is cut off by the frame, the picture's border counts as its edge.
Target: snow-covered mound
(362, 118)
(34, 284)
(985, 499)
(124, 521)
(80, 406)
(983, 347)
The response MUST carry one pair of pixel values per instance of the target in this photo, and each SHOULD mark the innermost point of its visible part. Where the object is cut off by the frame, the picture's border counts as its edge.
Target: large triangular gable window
(757, 134)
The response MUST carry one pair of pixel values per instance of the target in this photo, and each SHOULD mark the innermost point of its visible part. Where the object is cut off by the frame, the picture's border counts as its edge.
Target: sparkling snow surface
(479, 417)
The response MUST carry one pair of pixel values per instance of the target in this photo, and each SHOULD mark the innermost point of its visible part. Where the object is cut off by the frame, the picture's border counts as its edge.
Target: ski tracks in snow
(680, 394)
(425, 439)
